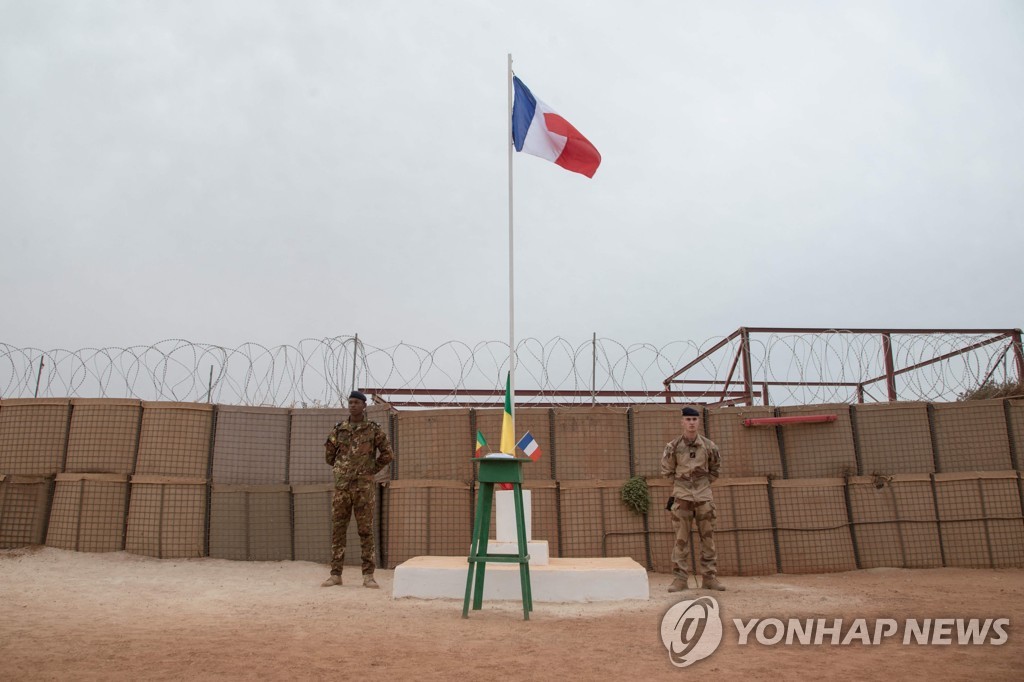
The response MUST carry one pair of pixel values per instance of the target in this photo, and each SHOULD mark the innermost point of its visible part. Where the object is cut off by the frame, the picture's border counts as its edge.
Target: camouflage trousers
(683, 514)
(357, 498)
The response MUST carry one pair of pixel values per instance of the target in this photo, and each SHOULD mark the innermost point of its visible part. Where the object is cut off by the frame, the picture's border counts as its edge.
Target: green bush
(636, 495)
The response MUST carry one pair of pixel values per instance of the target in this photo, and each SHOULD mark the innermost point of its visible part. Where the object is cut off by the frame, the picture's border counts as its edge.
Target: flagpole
(511, 261)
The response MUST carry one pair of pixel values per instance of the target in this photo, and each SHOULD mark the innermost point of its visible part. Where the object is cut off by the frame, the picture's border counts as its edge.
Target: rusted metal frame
(850, 384)
(704, 355)
(995, 365)
(1018, 353)
(739, 399)
(827, 330)
(944, 356)
(890, 377)
(491, 392)
(449, 398)
(742, 399)
(747, 378)
(732, 368)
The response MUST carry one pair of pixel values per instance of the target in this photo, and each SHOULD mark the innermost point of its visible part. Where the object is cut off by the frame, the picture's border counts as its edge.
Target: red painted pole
(783, 421)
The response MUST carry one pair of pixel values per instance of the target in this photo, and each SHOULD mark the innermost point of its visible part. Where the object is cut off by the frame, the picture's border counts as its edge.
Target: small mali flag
(481, 443)
(508, 439)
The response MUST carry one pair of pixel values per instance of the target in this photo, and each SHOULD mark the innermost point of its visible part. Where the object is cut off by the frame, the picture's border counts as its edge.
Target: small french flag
(538, 130)
(529, 446)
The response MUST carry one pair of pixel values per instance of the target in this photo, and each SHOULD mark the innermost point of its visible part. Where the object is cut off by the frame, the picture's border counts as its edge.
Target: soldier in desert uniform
(357, 449)
(692, 462)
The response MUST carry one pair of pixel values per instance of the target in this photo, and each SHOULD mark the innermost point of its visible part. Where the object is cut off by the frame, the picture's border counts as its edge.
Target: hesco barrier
(911, 485)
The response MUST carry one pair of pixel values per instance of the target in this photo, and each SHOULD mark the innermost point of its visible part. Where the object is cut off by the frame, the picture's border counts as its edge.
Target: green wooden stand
(497, 471)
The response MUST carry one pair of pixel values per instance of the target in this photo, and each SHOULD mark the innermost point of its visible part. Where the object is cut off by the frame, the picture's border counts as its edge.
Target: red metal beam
(703, 355)
(944, 356)
(890, 376)
(783, 421)
(533, 393)
(1018, 354)
(827, 330)
(478, 397)
(735, 361)
(747, 377)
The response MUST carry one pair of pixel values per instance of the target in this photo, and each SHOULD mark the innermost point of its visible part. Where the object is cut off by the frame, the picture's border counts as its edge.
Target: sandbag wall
(169, 480)
(903, 484)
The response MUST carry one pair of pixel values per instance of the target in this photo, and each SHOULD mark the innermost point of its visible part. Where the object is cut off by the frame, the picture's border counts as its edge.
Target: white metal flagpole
(511, 263)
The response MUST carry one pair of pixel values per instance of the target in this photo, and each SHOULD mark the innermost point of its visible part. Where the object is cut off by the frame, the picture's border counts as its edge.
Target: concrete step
(561, 580)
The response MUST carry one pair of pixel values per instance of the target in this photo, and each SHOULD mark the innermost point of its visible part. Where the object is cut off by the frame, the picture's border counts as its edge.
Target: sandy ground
(67, 615)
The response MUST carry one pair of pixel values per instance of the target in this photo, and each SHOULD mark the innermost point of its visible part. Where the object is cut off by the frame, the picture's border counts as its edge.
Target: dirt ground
(67, 615)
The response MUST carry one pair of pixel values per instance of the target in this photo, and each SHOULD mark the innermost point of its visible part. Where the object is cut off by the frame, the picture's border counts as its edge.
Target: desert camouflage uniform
(693, 467)
(357, 451)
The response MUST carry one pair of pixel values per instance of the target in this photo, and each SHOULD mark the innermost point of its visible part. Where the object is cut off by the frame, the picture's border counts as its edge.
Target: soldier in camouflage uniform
(356, 449)
(693, 462)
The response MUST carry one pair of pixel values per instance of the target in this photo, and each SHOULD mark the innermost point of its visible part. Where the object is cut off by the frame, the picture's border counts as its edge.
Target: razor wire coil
(793, 368)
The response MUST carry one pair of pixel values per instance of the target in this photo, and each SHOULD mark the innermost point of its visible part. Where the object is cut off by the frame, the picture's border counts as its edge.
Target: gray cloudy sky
(269, 171)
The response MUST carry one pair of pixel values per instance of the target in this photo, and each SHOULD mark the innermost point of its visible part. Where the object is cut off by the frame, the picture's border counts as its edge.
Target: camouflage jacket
(693, 467)
(357, 450)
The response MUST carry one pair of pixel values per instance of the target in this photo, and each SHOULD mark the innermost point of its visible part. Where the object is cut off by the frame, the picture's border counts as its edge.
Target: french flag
(529, 446)
(539, 131)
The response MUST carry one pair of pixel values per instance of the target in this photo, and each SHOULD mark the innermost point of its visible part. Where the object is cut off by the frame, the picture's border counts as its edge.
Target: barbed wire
(788, 368)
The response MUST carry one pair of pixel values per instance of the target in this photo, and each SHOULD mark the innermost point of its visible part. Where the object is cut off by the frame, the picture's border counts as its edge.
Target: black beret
(690, 412)
(357, 395)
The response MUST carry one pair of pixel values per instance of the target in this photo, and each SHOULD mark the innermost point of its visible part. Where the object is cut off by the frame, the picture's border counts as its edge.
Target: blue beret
(357, 395)
(690, 412)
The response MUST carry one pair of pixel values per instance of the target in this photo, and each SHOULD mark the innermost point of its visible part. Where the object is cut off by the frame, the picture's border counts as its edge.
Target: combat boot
(711, 583)
(678, 585)
(368, 581)
(331, 581)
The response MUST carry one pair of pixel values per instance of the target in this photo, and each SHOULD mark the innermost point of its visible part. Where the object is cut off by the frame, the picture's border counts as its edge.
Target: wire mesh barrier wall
(249, 444)
(427, 517)
(812, 526)
(435, 444)
(89, 512)
(818, 452)
(775, 366)
(894, 521)
(24, 505)
(905, 484)
(976, 429)
(33, 436)
(979, 519)
(1015, 423)
(749, 451)
(104, 436)
(250, 522)
(893, 438)
(167, 517)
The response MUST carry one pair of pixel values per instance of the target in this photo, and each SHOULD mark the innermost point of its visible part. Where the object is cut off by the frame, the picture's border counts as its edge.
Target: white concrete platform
(562, 580)
(537, 549)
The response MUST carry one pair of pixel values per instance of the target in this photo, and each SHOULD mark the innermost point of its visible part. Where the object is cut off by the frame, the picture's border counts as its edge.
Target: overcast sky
(264, 171)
